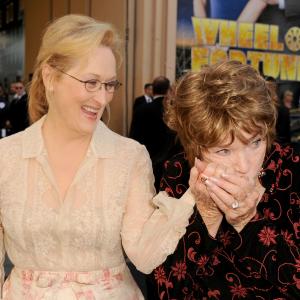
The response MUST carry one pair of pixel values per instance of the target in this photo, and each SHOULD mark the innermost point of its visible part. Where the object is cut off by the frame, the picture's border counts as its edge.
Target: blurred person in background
(149, 128)
(12, 91)
(288, 98)
(17, 113)
(283, 126)
(3, 112)
(146, 98)
(3, 96)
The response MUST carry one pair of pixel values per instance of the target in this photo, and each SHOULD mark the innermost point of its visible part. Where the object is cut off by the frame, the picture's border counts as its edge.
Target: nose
(242, 163)
(101, 96)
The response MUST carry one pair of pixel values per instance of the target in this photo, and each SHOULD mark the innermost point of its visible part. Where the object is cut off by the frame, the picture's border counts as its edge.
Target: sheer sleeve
(151, 226)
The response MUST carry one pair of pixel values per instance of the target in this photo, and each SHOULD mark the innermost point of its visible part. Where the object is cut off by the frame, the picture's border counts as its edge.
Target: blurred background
(160, 38)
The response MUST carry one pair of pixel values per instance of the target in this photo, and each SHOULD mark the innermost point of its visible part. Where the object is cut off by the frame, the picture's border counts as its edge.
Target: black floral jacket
(260, 262)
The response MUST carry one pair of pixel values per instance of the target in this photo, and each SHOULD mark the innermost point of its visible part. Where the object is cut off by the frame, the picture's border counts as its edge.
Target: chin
(87, 129)
(88, 125)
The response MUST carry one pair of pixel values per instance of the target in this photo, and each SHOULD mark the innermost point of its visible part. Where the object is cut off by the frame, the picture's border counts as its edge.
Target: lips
(90, 111)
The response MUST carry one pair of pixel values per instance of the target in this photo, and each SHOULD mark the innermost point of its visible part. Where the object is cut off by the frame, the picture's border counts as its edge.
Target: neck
(56, 131)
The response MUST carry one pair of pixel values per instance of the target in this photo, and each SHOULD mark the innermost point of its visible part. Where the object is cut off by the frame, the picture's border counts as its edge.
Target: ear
(48, 77)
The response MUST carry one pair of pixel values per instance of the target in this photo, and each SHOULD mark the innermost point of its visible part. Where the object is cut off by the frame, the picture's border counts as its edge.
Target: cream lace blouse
(109, 204)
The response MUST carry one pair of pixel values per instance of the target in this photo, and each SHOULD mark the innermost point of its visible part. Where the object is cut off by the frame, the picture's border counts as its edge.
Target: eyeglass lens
(95, 85)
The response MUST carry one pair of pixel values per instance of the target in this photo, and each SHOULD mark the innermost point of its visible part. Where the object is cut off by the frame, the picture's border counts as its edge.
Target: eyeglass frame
(85, 82)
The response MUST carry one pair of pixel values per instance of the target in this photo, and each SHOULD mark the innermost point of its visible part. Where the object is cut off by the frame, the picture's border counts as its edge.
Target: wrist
(262, 3)
(212, 227)
(211, 218)
(243, 222)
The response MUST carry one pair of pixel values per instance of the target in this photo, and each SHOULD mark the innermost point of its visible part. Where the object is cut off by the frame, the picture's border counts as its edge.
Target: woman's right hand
(234, 194)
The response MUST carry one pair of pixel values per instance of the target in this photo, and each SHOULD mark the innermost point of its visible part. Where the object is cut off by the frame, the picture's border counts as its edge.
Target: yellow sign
(260, 44)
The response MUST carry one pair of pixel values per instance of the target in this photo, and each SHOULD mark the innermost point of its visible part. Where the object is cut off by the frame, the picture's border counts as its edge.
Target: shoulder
(282, 166)
(285, 154)
(176, 165)
(123, 146)
(140, 98)
(153, 109)
(130, 145)
(289, 160)
(282, 110)
(143, 115)
(11, 142)
(24, 97)
(11, 147)
(131, 154)
(158, 102)
(176, 175)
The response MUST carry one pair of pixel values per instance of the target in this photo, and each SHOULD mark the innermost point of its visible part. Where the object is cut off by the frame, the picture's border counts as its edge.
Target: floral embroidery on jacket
(262, 262)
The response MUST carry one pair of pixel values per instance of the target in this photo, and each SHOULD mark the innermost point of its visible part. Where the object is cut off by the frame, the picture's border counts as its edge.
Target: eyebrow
(99, 77)
(249, 140)
(255, 137)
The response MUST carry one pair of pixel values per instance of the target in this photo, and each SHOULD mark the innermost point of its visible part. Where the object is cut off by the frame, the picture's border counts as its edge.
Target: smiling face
(71, 105)
(246, 158)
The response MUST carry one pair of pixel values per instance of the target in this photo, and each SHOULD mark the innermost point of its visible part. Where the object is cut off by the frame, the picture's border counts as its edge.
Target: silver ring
(235, 204)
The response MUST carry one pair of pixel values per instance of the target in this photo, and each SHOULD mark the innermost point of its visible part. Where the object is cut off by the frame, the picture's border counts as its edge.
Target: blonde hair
(65, 41)
(226, 98)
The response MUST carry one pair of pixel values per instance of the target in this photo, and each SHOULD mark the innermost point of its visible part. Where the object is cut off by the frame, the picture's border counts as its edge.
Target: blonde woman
(73, 193)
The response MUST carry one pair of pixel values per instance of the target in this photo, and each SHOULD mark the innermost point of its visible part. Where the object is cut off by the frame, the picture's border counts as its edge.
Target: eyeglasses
(93, 85)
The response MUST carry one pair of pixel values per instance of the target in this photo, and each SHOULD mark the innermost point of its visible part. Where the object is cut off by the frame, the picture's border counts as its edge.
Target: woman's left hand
(236, 196)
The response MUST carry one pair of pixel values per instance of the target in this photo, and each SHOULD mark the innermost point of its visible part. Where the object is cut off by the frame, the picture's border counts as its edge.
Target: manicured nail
(214, 180)
(209, 183)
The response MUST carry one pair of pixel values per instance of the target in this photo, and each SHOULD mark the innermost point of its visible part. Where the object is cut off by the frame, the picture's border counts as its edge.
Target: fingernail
(214, 179)
(208, 182)
(224, 175)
